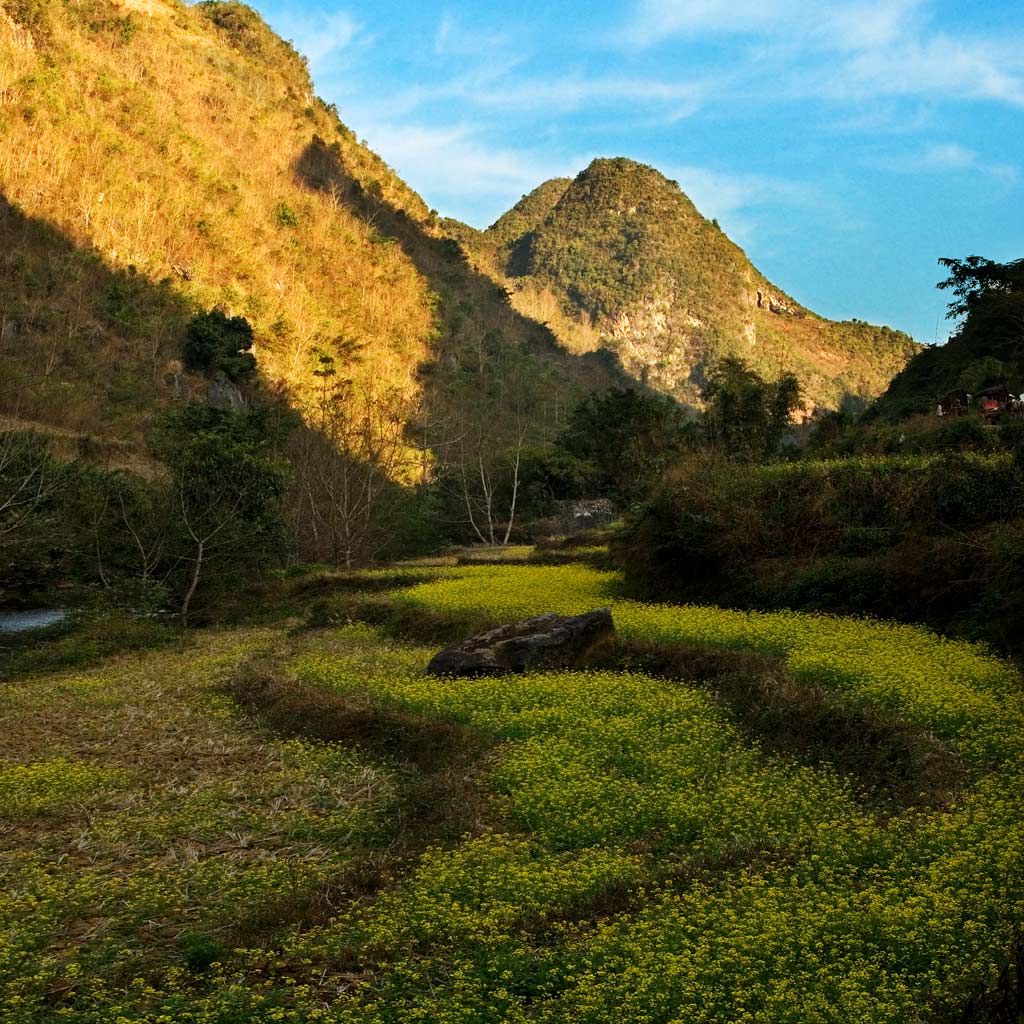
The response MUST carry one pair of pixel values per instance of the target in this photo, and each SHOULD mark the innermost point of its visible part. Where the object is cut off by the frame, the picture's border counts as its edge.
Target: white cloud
(318, 35)
(733, 199)
(495, 87)
(950, 157)
(453, 39)
(839, 24)
(572, 92)
(956, 68)
(656, 20)
(843, 49)
(458, 172)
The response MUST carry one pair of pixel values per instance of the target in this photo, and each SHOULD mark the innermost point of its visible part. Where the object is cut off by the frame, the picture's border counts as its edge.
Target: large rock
(547, 641)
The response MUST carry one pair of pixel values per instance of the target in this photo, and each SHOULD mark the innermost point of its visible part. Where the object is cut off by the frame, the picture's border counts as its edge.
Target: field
(287, 823)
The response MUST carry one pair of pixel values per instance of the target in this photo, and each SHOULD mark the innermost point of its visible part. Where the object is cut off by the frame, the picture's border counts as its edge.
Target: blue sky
(845, 144)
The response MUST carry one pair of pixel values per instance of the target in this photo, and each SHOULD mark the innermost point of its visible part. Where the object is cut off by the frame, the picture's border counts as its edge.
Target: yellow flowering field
(636, 854)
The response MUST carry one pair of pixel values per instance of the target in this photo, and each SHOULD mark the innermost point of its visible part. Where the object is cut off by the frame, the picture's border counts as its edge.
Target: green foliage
(632, 262)
(247, 32)
(285, 216)
(745, 415)
(987, 349)
(199, 951)
(91, 638)
(527, 215)
(227, 485)
(216, 343)
(30, 14)
(975, 279)
(902, 537)
(621, 441)
(619, 234)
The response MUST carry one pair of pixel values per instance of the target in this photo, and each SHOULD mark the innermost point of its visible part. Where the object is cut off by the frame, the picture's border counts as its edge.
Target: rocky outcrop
(546, 641)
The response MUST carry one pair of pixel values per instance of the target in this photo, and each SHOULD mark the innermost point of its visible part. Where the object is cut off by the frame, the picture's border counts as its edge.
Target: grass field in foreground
(633, 853)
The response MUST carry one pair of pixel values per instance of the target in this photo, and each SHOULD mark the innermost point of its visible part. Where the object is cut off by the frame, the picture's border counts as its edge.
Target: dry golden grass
(148, 140)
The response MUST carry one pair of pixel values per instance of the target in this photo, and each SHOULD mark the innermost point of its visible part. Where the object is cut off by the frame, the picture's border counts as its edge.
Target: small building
(993, 401)
(954, 404)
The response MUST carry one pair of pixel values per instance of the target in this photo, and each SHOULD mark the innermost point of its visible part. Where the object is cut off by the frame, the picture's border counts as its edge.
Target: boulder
(546, 641)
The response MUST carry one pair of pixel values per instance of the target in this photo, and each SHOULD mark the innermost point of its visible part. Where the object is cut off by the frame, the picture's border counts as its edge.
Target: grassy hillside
(631, 265)
(158, 159)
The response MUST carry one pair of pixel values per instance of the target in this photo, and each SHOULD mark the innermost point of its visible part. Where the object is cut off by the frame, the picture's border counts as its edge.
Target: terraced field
(729, 817)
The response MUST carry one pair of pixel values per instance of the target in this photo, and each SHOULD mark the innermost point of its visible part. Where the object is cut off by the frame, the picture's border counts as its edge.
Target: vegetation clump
(218, 343)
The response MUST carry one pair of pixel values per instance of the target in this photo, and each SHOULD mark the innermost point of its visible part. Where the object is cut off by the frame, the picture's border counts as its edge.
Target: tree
(226, 487)
(216, 343)
(745, 415)
(975, 278)
(29, 477)
(625, 438)
(347, 496)
(488, 476)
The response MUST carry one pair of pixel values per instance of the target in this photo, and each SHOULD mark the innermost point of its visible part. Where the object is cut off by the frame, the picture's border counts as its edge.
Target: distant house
(954, 404)
(992, 401)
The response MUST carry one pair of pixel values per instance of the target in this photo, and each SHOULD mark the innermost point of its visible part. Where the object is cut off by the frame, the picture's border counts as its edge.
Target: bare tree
(489, 479)
(28, 477)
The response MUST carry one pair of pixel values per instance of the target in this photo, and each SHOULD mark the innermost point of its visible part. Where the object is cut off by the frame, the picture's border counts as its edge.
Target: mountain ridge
(632, 266)
(161, 159)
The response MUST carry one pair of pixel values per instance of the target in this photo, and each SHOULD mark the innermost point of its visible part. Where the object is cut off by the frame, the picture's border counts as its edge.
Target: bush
(27, 13)
(217, 343)
(932, 538)
(200, 951)
(286, 216)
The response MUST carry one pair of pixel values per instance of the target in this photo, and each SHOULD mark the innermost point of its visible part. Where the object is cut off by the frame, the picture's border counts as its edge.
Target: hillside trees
(29, 476)
(218, 343)
(345, 503)
(622, 440)
(32, 483)
(488, 476)
(987, 348)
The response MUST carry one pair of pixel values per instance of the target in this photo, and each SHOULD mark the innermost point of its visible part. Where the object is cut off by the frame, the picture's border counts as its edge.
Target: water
(29, 621)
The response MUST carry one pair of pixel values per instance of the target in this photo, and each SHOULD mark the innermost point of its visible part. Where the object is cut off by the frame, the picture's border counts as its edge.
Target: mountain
(159, 159)
(621, 259)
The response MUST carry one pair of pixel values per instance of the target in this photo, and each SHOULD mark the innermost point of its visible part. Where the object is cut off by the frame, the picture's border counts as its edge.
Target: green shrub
(199, 951)
(286, 217)
(216, 343)
(904, 537)
(27, 13)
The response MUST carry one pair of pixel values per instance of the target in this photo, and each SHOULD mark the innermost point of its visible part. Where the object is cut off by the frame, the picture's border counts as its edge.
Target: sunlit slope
(159, 158)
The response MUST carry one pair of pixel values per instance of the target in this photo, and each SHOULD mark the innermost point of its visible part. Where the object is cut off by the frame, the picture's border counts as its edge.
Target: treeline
(240, 480)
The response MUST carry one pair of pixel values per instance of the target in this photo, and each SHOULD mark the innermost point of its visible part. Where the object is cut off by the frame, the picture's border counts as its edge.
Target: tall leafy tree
(745, 415)
(625, 438)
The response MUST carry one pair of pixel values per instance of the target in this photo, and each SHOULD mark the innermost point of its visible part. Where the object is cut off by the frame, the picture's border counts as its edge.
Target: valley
(273, 432)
